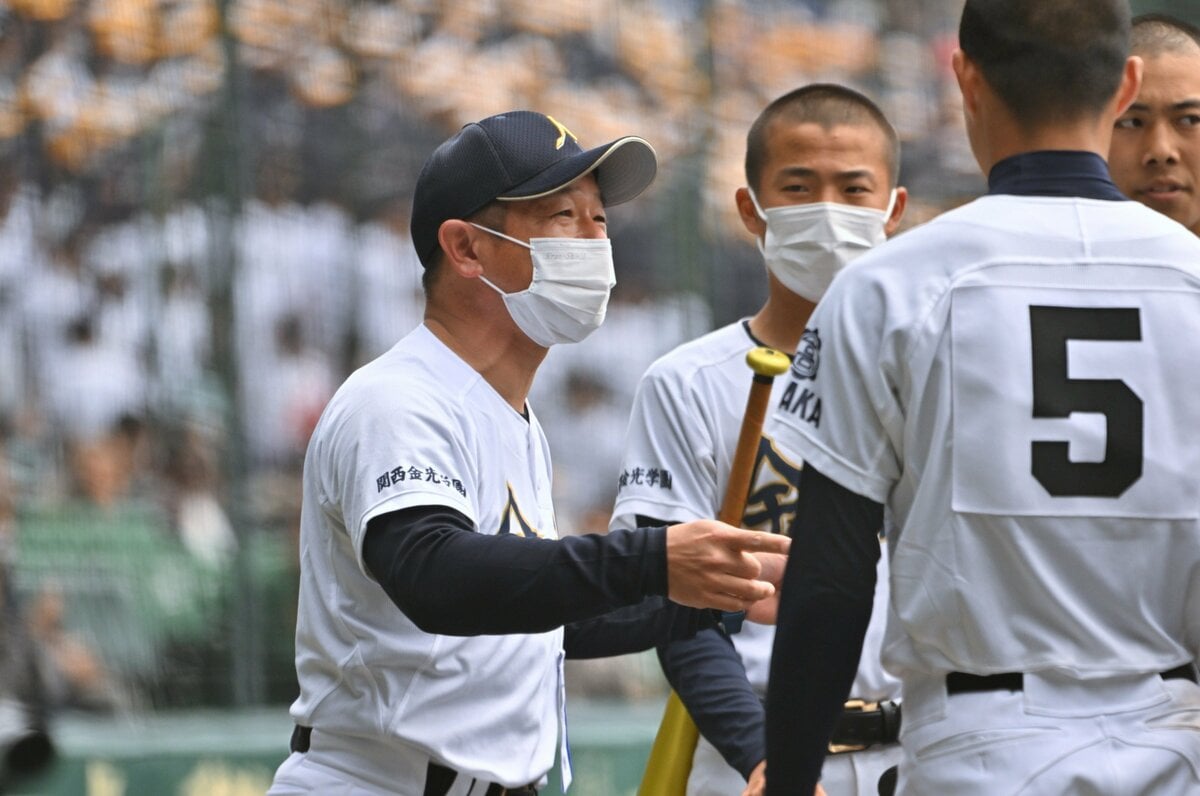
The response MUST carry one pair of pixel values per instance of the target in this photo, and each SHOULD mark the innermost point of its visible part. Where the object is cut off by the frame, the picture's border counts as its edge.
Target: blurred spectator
(295, 383)
(25, 745)
(93, 384)
(118, 261)
(585, 483)
(71, 672)
(389, 301)
(18, 203)
(55, 295)
(195, 507)
(105, 466)
(182, 342)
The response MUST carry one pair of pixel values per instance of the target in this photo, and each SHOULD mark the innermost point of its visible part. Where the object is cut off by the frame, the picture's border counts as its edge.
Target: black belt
(962, 683)
(438, 778)
(301, 739)
(865, 724)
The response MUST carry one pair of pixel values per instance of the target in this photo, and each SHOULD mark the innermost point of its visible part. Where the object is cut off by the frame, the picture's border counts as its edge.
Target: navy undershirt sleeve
(635, 628)
(708, 674)
(450, 580)
(824, 608)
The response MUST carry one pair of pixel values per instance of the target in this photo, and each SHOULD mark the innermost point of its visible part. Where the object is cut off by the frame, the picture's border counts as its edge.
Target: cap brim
(624, 168)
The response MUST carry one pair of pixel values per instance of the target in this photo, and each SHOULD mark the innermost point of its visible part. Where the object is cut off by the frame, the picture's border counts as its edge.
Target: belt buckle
(852, 706)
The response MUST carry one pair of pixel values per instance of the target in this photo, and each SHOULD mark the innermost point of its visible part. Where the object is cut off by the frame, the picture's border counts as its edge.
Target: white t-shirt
(419, 427)
(679, 448)
(1017, 382)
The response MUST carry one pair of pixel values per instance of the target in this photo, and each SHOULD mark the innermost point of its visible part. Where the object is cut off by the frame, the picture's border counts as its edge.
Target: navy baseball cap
(513, 156)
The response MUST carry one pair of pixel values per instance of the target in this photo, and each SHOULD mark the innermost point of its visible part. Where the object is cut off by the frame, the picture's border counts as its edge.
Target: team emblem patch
(563, 132)
(808, 355)
(513, 520)
(774, 491)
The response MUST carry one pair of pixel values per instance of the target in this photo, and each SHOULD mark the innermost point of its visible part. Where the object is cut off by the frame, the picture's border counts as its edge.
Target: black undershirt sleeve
(450, 580)
(825, 606)
(708, 674)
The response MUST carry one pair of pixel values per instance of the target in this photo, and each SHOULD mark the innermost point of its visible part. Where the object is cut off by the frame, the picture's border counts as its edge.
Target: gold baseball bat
(670, 761)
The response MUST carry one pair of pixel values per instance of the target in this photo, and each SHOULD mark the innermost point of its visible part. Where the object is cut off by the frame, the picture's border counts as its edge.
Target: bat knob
(767, 361)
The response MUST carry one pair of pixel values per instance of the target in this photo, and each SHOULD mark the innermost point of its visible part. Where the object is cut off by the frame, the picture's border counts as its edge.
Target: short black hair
(1155, 34)
(1048, 60)
(826, 104)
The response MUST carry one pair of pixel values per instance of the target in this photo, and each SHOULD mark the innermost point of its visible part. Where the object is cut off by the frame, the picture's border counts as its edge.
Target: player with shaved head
(822, 167)
(1015, 384)
(1155, 153)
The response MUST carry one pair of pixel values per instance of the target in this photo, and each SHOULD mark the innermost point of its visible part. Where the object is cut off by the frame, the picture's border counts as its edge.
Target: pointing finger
(760, 542)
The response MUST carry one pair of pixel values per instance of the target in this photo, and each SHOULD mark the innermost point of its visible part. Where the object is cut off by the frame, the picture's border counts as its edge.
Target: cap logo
(563, 132)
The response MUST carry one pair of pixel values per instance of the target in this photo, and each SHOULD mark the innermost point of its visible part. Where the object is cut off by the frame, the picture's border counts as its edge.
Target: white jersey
(419, 427)
(683, 431)
(1017, 381)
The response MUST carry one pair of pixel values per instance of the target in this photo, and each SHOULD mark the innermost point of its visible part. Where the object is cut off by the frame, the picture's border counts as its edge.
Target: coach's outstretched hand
(714, 565)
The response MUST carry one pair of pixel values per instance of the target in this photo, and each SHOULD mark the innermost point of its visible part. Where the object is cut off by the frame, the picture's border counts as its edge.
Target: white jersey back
(419, 427)
(679, 448)
(1017, 381)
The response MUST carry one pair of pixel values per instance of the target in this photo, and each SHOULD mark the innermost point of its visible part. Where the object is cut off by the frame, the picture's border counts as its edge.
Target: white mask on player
(806, 245)
(568, 297)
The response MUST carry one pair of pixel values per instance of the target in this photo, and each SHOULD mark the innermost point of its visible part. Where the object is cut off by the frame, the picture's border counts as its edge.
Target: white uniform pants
(1129, 736)
(338, 765)
(851, 774)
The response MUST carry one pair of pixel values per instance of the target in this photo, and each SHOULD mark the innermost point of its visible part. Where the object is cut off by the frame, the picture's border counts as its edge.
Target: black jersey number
(1055, 394)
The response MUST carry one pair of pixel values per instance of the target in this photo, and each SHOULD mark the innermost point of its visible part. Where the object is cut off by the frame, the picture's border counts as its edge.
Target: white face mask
(568, 297)
(806, 245)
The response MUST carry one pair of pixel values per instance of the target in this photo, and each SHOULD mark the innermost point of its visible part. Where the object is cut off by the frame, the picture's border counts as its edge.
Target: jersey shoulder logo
(658, 477)
(513, 521)
(808, 355)
(400, 474)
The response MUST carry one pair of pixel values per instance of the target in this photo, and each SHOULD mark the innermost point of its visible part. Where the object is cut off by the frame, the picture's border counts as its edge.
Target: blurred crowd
(203, 229)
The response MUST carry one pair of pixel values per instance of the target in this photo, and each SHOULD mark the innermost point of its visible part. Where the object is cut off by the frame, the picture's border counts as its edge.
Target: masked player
(821, 171)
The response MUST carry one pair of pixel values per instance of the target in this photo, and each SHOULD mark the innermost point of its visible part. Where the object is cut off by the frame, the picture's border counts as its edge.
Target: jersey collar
(1057, 173)
(760, 343)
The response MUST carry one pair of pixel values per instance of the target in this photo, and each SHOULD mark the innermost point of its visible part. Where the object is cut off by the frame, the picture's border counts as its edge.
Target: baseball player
(821, 171)
(1155, 153)
(433, 591)
(1015, 381)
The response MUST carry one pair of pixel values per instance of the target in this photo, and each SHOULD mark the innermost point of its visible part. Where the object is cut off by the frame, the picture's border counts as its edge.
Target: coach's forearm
(451, 580)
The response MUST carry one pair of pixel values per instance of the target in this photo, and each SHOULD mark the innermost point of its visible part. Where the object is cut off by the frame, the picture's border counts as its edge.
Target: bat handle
(767, 363)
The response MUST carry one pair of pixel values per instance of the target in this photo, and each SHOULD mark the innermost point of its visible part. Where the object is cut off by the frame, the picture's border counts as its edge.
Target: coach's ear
(459, 242)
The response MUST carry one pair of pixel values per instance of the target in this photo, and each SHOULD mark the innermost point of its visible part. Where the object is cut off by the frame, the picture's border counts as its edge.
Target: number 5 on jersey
(1067, 410)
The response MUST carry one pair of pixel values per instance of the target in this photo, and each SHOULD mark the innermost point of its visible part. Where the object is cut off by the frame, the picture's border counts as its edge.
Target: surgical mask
(806, 245)
(568, 297)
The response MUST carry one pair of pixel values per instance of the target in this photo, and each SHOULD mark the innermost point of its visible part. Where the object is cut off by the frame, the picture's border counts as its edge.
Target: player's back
(1041, 357)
